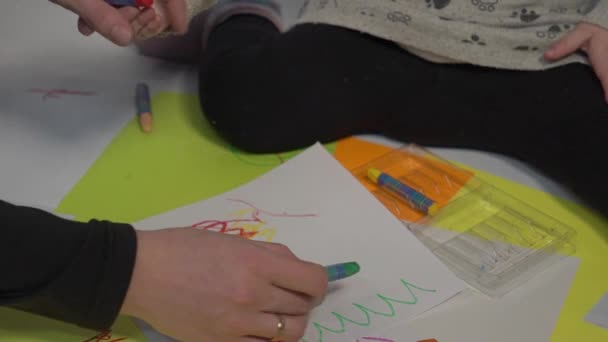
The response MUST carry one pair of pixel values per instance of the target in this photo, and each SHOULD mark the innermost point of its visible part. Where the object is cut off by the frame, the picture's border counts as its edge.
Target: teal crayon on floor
(341, 271)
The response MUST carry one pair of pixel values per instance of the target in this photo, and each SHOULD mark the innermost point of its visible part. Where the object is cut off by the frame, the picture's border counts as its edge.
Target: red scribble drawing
(105, 335)
(58, 93)
(248, 222)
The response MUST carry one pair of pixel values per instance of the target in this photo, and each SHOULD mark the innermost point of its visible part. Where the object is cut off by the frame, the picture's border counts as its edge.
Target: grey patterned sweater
(510, 34)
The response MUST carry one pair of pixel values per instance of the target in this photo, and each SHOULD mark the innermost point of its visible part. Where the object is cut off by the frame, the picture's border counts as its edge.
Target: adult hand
(205, 286)
(591, 39)
(121, 25)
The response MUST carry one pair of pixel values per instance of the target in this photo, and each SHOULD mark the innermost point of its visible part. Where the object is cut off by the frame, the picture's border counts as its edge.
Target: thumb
(104, 19)
(597, 53)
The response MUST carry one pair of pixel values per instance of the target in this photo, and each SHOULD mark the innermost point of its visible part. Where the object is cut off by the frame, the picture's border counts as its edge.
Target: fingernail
(121, 35)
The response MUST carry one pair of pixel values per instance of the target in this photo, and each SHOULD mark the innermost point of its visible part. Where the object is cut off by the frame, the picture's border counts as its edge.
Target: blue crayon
(142, 101)
(410, 195)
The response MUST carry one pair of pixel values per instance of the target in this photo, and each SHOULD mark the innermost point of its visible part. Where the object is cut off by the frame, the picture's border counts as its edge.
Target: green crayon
(341, 271)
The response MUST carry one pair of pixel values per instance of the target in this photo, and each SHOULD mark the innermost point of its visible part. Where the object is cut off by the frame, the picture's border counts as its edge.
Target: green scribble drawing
(343, 320)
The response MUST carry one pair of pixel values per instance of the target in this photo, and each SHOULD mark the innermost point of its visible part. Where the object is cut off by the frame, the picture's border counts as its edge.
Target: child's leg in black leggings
(266, 92)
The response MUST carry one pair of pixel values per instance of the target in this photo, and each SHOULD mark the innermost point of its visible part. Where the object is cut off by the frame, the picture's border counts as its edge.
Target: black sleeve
(70, 271)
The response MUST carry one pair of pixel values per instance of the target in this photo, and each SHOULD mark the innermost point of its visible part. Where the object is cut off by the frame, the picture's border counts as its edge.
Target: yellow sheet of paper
(181, 162)
(17, 326)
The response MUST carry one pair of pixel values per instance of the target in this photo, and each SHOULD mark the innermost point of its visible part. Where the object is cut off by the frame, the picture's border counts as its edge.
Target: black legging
(268, 92)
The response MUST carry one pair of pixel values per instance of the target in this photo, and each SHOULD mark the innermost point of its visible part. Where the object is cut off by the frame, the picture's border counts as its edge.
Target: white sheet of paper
(526, 314)
(599, 314)
(396, 334)
(316, 208)
(51, 131)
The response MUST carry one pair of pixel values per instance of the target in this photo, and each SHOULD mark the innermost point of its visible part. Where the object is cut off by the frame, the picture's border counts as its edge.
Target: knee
(244, 129)
(241, 114)
(259, 102)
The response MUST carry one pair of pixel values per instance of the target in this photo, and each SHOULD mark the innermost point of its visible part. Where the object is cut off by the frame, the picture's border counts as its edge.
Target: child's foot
(189, 47)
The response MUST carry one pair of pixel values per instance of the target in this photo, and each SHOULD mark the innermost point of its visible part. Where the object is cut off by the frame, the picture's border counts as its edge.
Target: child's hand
(591, 39)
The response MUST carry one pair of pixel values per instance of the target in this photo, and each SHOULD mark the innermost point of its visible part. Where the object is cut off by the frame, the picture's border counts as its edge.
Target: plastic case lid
(493, 241)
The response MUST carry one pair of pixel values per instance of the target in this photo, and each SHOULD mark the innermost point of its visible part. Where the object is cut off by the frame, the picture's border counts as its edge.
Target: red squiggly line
(222, 225)
(105, 335)
(56, 93)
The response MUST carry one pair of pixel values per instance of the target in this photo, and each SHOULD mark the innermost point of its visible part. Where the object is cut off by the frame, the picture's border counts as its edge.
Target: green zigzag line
(367, 312)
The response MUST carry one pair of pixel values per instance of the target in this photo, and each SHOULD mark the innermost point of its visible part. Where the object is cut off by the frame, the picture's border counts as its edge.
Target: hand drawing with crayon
(324, 216)
(251, 222)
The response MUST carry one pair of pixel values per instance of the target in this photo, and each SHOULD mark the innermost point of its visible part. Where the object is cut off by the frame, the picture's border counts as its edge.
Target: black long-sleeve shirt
(70, 271)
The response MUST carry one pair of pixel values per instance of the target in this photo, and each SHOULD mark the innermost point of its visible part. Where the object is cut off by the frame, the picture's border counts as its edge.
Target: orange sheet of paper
(425, 175)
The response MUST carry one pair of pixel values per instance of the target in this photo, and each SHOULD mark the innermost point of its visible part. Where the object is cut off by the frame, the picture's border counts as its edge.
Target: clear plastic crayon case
(491, 240)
